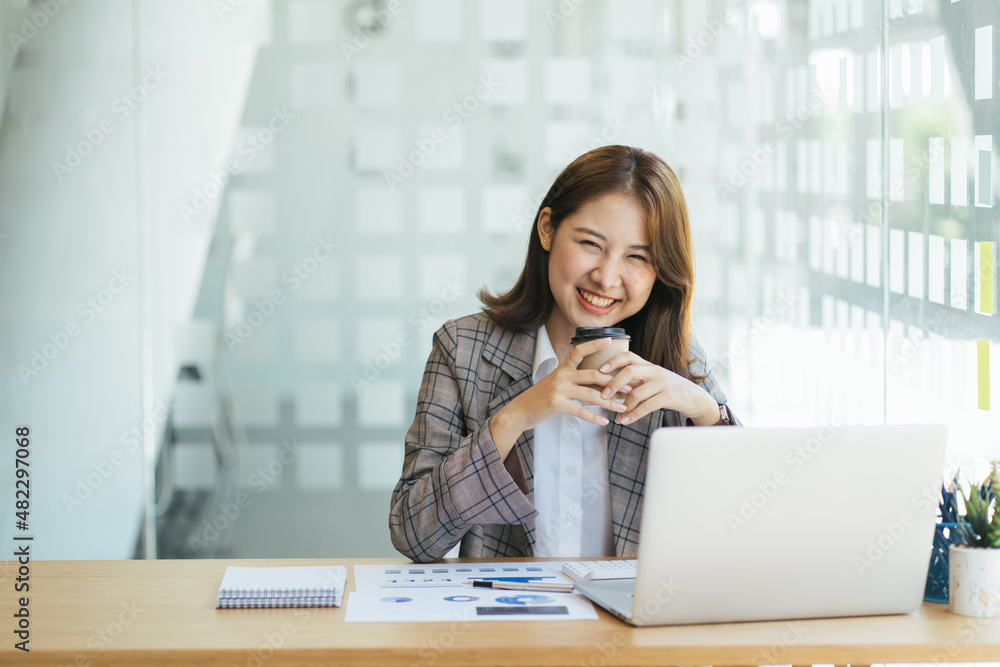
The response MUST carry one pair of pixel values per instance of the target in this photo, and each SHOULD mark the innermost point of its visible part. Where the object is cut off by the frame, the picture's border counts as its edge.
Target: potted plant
(974, 569)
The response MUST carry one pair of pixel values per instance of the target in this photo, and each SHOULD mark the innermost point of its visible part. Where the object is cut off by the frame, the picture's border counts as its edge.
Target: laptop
(755, 524)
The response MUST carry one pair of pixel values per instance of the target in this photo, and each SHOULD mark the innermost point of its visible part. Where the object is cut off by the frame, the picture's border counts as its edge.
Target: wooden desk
(163, 613)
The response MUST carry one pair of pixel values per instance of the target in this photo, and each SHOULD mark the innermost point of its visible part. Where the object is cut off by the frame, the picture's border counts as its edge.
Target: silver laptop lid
(781, 523)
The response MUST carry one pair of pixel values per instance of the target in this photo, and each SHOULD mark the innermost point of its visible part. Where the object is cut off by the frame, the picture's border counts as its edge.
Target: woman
(502, 454)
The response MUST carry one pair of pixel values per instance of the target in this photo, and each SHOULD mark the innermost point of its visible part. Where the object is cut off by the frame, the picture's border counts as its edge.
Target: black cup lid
(584, 334)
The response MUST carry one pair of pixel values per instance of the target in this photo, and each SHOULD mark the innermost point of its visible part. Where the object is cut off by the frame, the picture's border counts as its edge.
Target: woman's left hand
(650, 387)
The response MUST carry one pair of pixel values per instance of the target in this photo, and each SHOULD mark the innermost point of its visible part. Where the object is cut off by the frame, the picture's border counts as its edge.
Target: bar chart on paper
(439, 575)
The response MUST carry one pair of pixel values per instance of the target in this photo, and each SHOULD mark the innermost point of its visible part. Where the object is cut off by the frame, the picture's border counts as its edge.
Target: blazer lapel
(512, 353)
(628, 446)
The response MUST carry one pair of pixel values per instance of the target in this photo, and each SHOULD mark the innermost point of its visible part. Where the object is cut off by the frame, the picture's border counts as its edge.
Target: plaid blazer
(454, 486)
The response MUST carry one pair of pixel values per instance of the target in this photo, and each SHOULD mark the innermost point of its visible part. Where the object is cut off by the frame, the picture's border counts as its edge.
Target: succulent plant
(980, 525)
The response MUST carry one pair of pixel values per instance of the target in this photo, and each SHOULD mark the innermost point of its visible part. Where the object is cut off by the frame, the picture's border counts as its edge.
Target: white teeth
(597, 301)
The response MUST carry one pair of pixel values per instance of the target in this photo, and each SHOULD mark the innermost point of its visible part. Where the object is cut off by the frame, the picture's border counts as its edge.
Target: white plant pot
(974, 581)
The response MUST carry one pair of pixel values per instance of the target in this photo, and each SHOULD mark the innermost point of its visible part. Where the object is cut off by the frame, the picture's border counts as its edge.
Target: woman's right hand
(558, 392)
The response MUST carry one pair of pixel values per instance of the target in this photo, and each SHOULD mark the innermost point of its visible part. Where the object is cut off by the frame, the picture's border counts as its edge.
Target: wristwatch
(725, 416)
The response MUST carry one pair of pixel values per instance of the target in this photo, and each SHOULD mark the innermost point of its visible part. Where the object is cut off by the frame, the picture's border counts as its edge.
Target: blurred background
(228, 230)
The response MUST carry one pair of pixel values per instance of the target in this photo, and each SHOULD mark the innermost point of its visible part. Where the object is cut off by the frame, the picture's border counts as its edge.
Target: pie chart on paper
(524, 600)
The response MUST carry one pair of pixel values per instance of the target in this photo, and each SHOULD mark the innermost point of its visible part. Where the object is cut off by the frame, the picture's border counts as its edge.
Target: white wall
(66, 239)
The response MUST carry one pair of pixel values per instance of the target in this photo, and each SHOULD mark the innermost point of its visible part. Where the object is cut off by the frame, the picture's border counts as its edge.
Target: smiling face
(600, 265)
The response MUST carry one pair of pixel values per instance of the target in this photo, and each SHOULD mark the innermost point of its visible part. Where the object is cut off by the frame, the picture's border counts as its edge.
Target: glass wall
(858, 169)
(940, 167)
(255, 214)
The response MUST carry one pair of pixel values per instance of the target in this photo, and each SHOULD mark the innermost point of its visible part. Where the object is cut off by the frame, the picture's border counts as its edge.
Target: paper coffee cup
(619, 343)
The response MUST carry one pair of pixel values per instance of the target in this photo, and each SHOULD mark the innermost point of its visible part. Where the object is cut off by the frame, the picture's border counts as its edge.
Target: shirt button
(571, 469)
(571, 422)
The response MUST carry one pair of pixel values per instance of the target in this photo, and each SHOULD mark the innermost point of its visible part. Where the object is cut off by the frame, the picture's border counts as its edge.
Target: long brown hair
(661, 330)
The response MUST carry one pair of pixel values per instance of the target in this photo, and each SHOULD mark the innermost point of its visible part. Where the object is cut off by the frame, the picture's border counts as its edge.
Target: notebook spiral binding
(258, 593)
(242, 603)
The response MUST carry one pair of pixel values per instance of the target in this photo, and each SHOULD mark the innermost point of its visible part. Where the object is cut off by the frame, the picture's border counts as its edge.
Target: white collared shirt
(570, 477)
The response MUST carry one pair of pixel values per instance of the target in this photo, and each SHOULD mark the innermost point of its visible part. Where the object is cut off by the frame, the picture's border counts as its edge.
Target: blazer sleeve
(699, 367)
(452, 479)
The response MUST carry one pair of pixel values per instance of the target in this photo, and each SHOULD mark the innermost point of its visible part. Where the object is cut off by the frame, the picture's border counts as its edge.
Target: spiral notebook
(297, 586)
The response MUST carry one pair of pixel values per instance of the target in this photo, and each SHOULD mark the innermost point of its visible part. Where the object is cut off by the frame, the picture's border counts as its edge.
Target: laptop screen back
(758, 524)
